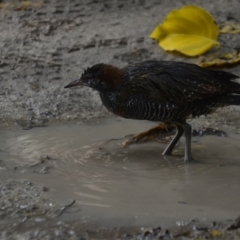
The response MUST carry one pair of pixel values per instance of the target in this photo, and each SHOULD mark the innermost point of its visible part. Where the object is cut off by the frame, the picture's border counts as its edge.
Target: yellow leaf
(216, 233)
(190, 30)
(21, 5)
(231, 27)
(220, 60)
(28, 4)
(4, 5)
(191, 45)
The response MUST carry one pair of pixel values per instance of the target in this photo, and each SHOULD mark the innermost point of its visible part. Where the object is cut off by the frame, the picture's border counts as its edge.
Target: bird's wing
(176, 82)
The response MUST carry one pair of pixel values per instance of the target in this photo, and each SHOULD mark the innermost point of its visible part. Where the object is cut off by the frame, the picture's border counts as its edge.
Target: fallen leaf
(220, 60)
(230, 27)
(22, 5)
(190, 30)
(28, 4)
(215, 233)
(4, 5)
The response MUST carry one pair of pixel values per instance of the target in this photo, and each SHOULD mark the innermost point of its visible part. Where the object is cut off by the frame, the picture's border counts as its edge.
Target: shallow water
(126, 186)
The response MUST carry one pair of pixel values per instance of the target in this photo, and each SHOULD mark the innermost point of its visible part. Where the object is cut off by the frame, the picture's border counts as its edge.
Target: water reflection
(135, 181)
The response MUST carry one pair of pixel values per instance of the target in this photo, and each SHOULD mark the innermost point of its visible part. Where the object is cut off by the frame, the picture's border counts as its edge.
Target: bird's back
(160, 91)
(178, 82)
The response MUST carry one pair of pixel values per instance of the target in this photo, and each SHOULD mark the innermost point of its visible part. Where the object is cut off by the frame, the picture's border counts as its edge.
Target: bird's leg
(188, 134)
(172, 144)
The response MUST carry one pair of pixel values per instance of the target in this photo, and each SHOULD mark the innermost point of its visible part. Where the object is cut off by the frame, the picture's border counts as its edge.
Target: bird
(168, 92)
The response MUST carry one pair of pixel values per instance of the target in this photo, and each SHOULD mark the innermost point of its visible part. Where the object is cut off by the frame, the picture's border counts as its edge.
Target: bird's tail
(233, 99)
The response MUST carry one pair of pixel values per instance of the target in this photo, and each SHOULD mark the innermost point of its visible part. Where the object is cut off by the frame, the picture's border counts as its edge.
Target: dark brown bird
(167, 92)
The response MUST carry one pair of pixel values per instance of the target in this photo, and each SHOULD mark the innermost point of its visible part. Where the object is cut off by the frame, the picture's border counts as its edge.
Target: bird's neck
(109, 100)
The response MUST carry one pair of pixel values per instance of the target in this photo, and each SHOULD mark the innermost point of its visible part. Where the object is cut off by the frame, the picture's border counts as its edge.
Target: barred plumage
(168, 92)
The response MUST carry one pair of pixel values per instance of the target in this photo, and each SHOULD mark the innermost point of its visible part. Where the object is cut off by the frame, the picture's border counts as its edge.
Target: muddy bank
(74, 230)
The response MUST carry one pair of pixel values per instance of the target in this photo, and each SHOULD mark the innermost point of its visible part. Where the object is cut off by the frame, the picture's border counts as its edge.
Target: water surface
(126, 186)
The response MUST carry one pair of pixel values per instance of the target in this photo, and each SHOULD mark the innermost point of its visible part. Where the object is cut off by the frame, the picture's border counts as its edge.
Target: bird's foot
(167, 153)
(154, 134)
(188, 159)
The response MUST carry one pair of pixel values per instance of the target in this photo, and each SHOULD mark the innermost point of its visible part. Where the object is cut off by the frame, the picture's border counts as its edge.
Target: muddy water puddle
(125, 186)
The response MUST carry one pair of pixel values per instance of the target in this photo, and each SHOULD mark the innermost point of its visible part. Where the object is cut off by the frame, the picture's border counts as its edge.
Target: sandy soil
(42, 49)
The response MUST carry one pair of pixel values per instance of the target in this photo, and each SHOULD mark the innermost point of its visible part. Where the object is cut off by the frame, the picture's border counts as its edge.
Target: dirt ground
(44, 48)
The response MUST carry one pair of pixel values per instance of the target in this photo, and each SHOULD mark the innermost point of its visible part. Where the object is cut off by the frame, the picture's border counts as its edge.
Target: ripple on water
(133, 181)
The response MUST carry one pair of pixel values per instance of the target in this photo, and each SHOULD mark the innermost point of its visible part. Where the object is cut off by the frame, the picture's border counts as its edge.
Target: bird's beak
(77, 82)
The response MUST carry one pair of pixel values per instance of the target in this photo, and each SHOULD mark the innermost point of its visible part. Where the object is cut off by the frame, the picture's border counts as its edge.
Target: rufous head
(101, 77)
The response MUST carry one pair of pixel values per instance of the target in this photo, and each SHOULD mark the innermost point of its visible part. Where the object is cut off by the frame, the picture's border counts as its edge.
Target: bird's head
(101, 77)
